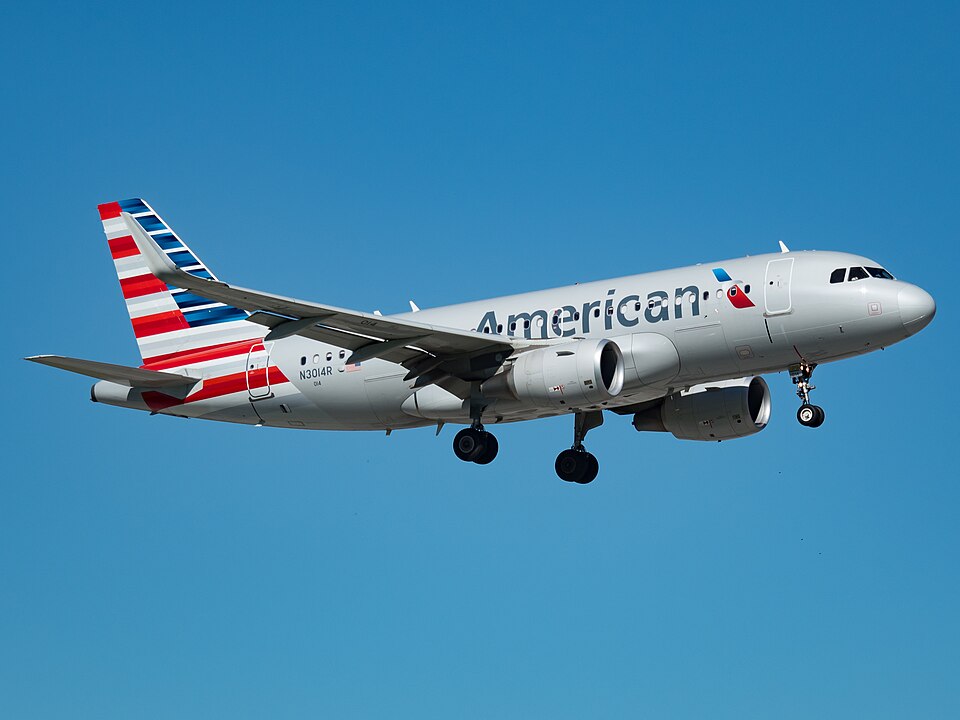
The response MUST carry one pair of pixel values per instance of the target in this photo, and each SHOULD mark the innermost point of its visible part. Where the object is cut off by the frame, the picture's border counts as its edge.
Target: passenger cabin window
(837, 275)
(857, 273)
(880, 273)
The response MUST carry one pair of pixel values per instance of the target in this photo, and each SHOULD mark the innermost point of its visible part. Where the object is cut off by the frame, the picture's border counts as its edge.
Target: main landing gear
(576, 464)
(476, 445)
(808, 415)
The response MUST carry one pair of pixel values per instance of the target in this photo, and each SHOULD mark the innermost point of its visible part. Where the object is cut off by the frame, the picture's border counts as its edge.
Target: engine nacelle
(715, 411)
(574, 374)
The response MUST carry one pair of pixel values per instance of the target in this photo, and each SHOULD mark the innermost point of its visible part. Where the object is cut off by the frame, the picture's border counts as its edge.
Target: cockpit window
(880, 273)
(857, 273)
(837, 275)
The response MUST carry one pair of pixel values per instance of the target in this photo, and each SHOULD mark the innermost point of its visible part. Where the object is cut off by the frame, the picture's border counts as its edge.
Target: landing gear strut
(808, 415)
(576, 464)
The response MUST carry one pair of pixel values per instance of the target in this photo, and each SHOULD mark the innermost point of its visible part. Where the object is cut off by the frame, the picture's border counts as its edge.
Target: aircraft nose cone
(917, 308)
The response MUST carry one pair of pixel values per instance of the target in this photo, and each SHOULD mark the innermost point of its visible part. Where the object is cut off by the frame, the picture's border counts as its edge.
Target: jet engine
(714, 411)
(575, 374)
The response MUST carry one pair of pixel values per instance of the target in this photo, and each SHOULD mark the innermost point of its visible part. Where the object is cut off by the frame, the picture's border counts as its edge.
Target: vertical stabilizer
(173, 326)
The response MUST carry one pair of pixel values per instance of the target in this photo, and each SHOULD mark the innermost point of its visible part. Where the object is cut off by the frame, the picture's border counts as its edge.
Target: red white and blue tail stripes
(170, 323)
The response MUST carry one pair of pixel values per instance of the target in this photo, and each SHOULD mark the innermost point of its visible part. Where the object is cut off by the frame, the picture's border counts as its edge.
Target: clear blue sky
(365, 154)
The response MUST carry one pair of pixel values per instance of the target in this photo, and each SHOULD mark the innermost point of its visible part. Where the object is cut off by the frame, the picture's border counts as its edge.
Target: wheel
(811, 415)
(593, 467)
(821, 416)
(490, 449)
(573, 465)
(469, 444)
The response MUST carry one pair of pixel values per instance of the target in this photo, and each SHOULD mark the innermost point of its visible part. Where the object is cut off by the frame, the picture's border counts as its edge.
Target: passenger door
(258, 371)
(776, 287)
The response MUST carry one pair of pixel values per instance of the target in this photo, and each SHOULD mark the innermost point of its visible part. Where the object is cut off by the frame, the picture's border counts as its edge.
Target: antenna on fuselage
(783, 247)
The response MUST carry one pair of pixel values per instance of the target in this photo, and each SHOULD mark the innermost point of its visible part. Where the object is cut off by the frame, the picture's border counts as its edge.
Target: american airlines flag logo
(735, 294)
(352, 368)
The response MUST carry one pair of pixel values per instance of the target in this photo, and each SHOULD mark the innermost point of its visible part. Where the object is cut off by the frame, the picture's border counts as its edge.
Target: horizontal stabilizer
(120, 374)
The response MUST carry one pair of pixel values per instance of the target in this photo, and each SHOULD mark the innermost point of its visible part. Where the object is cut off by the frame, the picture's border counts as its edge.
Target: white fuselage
(676, 329)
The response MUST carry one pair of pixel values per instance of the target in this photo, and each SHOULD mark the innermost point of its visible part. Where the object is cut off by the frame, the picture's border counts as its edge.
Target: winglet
(783, 247)
(413, 306)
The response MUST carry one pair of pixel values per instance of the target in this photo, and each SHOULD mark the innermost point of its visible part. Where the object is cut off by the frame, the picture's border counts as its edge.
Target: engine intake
(715, 411)
(584, 372)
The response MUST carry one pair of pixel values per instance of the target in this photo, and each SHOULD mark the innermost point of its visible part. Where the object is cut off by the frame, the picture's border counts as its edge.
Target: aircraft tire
(469, 444)
(820, 416)
(572, 465)
(808, 415)
(490, 449)
(593, 468)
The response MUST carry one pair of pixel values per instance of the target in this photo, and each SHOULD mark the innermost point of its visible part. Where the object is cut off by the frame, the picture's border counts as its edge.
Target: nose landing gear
(576, 464)
(808, 415)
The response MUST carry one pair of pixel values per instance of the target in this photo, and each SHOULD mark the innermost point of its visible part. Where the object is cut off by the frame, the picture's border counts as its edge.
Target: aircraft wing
(120, 374)
(421, 347)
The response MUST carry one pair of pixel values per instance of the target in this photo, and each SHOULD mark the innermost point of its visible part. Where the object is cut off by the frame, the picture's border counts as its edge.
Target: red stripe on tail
(108, 211)
(141, 285)
(159, 323)
(198, 355)
(122, 247)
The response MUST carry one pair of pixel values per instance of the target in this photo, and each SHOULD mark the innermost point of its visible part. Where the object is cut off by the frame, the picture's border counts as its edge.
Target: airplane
(681, 351)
